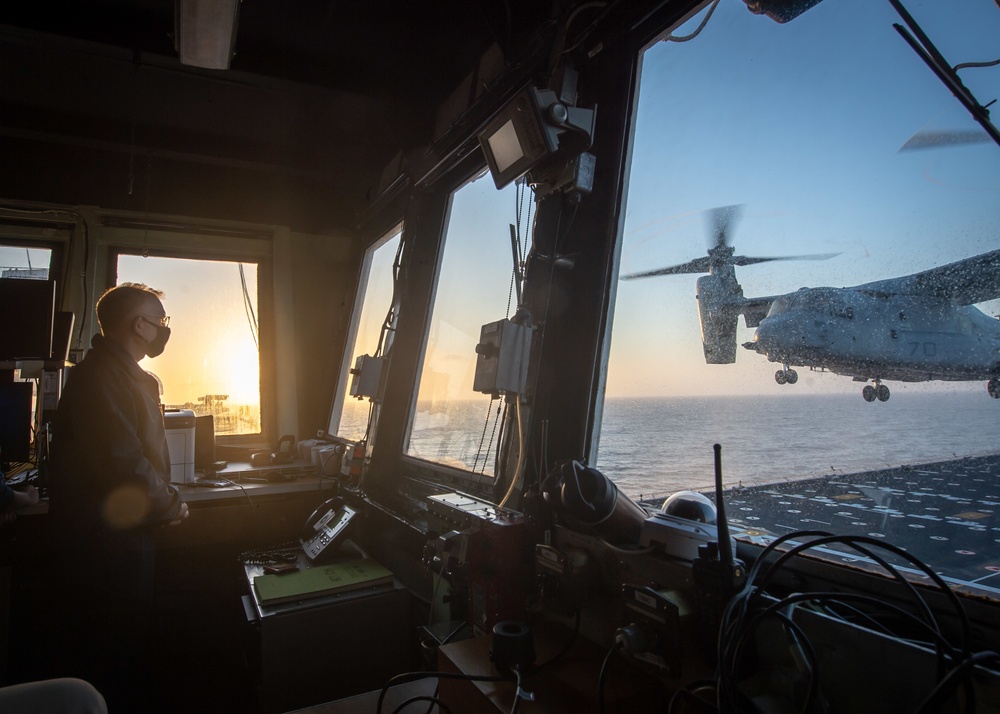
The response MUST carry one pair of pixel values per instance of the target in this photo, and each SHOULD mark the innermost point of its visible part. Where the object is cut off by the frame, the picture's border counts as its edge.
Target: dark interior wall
(88, 124)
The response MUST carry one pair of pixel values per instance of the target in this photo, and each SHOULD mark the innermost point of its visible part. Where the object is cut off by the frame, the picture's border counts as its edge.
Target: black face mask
(154, 348)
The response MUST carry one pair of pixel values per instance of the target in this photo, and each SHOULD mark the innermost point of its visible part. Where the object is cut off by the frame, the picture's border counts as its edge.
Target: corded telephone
(325, 528)
(285, 453)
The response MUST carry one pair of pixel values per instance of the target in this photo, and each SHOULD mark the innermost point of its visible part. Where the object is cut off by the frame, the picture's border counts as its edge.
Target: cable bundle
(754, 606)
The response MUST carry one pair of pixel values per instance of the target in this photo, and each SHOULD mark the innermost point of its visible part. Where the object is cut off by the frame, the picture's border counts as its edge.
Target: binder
(330, 579)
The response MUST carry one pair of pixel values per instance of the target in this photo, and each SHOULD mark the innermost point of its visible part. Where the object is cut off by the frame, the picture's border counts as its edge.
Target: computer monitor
(15, 421)
(204, 444)
(26, 318)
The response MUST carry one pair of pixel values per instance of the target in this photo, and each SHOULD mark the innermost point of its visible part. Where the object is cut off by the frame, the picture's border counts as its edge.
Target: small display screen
(335, 520)
(505, 146)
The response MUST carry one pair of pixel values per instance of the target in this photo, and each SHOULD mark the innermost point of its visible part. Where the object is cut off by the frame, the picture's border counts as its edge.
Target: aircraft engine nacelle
(719, 302)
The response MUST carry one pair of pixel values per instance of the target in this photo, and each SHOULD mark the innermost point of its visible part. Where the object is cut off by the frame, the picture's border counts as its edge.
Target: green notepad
(340, 577)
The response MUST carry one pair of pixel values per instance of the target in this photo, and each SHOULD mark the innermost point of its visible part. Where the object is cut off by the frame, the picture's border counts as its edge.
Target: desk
(301, 477)
(325, 648)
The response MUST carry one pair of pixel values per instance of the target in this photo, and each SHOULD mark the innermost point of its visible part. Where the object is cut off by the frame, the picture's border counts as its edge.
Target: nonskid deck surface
(946, 514)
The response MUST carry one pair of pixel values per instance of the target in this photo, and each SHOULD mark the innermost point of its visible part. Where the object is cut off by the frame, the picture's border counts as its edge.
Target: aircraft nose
(763, 337)
(761, 334)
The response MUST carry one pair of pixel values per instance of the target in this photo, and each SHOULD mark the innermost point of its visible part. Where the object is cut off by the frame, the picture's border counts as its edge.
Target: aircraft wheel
(993, 388)
(780, 376)
(868, 393)
(792, 376)
(882, 392)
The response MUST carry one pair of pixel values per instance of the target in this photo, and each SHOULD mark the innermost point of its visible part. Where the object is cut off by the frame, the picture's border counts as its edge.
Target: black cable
(390, 316)
(947, 686)
(860, 618)
(921, 603)
(965, 65)
(482, 437)
(569, 645)
(407, 677)
(740, 619)
(433, 700)
(704, 21)
(852, 541)
(687, 691)
(602, 677)
(248, 306)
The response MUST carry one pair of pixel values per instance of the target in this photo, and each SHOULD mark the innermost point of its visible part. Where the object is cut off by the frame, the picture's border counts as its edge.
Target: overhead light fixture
(205, 32)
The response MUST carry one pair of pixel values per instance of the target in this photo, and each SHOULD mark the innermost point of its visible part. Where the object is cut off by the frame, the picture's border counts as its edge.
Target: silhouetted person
(110, 486)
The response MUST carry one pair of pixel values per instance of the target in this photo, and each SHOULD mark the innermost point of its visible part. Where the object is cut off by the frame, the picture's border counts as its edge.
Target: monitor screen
(15, 421)
(26, 318)
(518, 138)
(204, 443)
(505, 146)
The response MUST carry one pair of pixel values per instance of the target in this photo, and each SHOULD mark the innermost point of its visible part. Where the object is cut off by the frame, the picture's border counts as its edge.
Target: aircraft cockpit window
(824, 153)
(779, 306)
(452, 424)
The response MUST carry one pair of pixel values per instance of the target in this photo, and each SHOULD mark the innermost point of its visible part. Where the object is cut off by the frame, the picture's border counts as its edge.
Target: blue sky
(801, 124)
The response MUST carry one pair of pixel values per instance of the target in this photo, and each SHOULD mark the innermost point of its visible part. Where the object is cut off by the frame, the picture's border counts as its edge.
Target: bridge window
(212, 362)
(370, 332)
(452, 424)
(814, 140)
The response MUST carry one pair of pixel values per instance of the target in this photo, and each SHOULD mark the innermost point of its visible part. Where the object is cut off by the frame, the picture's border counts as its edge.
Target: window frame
(350, 339)
(265, 324)
(39, 238)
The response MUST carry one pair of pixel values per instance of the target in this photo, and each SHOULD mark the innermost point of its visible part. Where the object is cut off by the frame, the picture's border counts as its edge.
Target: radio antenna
(722, 524)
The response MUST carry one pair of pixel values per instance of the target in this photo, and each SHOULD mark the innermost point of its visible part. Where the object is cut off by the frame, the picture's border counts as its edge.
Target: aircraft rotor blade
(744, 260)
(720, 222)
(937, 139)
(698, 265)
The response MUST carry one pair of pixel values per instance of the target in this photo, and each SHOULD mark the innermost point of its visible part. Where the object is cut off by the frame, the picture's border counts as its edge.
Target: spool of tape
(512, 646)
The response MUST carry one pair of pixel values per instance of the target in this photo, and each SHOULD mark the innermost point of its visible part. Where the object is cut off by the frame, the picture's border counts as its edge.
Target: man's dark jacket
(110, 463)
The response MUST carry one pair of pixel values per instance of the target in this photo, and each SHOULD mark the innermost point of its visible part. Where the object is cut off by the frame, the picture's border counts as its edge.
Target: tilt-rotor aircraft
(914, 328)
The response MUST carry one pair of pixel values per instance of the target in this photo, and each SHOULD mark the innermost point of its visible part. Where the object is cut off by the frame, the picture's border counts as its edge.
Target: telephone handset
(285, 453)
(325, 528)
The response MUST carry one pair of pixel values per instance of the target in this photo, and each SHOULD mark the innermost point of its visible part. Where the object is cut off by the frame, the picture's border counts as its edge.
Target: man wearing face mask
(110, 490)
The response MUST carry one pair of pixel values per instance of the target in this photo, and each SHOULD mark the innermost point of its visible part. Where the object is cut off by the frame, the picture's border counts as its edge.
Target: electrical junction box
(366, 377)
(179, 426)
(502, 365)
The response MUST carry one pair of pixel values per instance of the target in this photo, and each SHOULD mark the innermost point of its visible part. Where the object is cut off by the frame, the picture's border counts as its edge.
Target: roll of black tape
(512, 646)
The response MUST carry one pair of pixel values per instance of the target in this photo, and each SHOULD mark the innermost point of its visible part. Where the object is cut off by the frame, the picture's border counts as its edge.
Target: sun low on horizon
(213, 349)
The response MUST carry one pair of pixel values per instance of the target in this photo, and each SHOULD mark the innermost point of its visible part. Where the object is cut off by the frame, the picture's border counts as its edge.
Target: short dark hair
(120, 302)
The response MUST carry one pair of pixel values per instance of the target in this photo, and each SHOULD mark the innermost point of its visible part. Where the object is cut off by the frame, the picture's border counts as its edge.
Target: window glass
(24, 262)
(211, 364)
(452, 424)
(372, 304)
(767, 140)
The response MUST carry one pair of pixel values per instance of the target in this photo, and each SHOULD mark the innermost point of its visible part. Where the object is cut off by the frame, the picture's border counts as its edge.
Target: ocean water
(653, 447)
(656, 446)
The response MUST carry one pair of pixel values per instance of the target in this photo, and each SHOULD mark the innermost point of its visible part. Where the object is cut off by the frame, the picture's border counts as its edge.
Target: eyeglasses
(161, 320)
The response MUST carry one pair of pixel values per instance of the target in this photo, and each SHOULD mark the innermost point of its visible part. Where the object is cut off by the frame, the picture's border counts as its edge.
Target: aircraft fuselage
(866, 335)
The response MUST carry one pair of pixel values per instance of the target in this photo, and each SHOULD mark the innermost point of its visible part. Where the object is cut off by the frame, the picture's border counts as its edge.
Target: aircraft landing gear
(786, 376)
(993, 388)
(879, 391)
